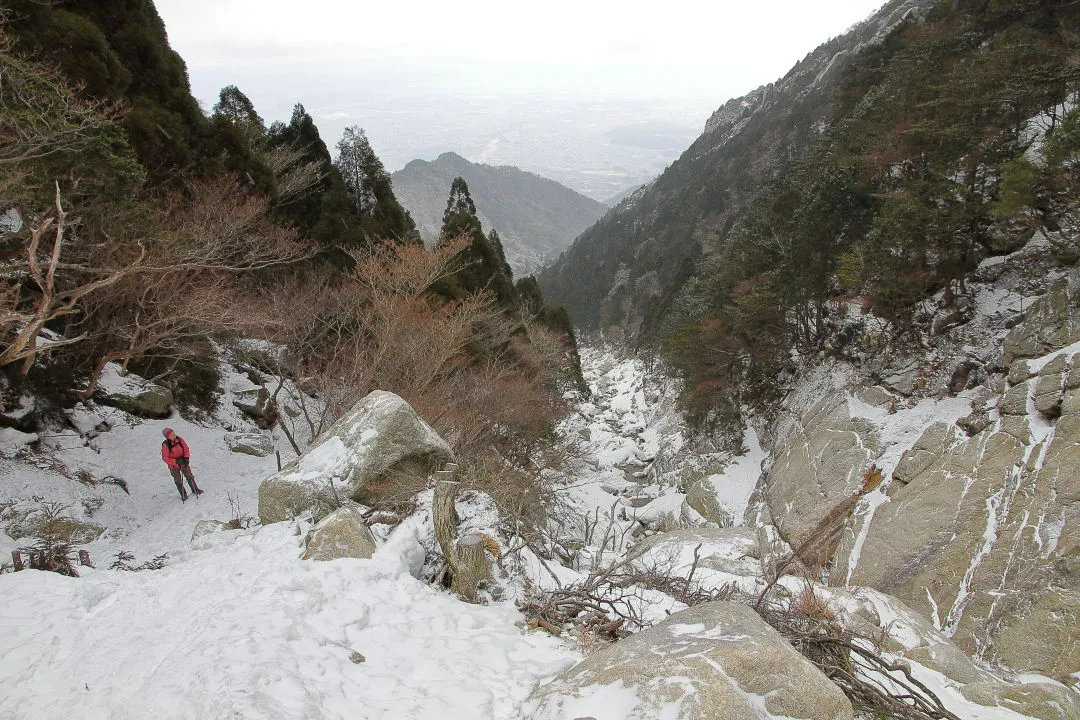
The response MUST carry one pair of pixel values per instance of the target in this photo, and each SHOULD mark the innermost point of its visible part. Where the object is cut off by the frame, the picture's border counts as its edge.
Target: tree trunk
(472, 568)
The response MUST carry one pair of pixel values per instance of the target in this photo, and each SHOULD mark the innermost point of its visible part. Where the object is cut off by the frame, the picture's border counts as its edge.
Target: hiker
(177, 455)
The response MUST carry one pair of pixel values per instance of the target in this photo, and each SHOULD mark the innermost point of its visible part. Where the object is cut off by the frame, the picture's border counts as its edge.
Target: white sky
(329, 54)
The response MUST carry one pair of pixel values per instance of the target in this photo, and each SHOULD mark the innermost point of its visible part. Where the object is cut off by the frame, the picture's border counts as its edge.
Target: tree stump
(16, 560)
(444, 515)
(471, 568)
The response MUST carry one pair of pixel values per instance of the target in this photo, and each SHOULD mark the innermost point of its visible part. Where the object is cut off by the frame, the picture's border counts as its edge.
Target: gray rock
(876, 395)
(1019, 371)
(973, 424)
(928, 448)
(207, 527)
(729, 663)
(259, 406)
(701, 496)
(1070, 404)
(1054, 367)
(379, 451)
(1048, 395)
(950, 661)
(1014, 402)
(732, 550)
(250, 443)
(959, 314)
(1072, 382)
(1050, 324)
(904, 379)
(1036, 700)
(341, 534)
(141, 398)
(819, 464)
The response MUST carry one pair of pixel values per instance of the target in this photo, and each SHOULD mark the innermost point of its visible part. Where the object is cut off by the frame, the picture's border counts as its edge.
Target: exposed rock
(904, 379)
(341, 534)
(259, 406)
(1072, 382)
(968, 374)
(1056, 366)
(1070, 404)
(732, 550)
(981, 540)
(730, 665)
(378, 451)
(1037, 700)
(250, 443)
(1050, 324)
(972, 424)
(876, 395)
(139, 397)
(1048, 395)
(929, 447)
(701, 496)
(207, 527)
(1014, 402)
(950, 661)
(1020, 371)
(76, 532)
(820, 462)
(960, 313)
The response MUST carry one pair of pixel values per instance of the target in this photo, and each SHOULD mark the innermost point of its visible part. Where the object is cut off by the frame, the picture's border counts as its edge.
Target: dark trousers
(186, 470)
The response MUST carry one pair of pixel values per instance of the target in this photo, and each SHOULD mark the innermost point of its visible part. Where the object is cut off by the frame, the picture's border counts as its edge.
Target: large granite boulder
(134, 394)
(722, 555)
(715, 661)
(341, 534)
(250, 443)
(258, 405)
(378, 452)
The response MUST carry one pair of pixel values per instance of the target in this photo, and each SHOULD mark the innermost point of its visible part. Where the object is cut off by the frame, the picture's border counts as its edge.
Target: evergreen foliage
(483, 263)
(368, 187)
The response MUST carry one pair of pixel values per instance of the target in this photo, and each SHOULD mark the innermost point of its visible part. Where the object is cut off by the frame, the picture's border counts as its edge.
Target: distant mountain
(536, 218)
(628, 269)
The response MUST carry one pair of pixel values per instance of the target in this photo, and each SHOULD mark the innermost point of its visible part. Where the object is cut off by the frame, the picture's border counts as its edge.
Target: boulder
(341, 534)
(1020, 371)
(730, 550)
(379, 451)
(76, 532)
(959, 313)
(1044, 701)
(701, 496)
(714, 661)
(207, 527)
(250, 443)
(1048, 395)
(1014, 402)
(139, 397)
(259, 406)
(972, 424)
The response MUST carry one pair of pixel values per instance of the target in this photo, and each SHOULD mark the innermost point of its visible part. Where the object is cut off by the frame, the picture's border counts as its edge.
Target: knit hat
(166, 432)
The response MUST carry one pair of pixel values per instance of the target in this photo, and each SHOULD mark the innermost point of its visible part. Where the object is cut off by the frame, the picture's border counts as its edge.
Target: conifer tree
(369, 190)
(235, 106)
(485, 267)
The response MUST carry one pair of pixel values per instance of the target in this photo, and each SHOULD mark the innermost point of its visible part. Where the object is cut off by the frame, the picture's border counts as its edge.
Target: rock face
(984, 539)
(341, 534)
(1052, 322)
(379, 451)
(824, 457)
(259, 406)
(715, 661)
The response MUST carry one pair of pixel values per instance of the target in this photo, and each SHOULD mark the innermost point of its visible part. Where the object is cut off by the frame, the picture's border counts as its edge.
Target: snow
(236, 625)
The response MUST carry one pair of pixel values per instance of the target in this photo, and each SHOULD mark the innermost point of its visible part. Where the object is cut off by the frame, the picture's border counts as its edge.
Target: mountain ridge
(536, 217)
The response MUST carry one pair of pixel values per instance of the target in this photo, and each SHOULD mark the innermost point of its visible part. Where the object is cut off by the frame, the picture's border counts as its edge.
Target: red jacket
(170, 451)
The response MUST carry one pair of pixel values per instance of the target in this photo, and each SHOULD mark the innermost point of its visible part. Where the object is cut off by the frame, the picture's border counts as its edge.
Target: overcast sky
(690, 55)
